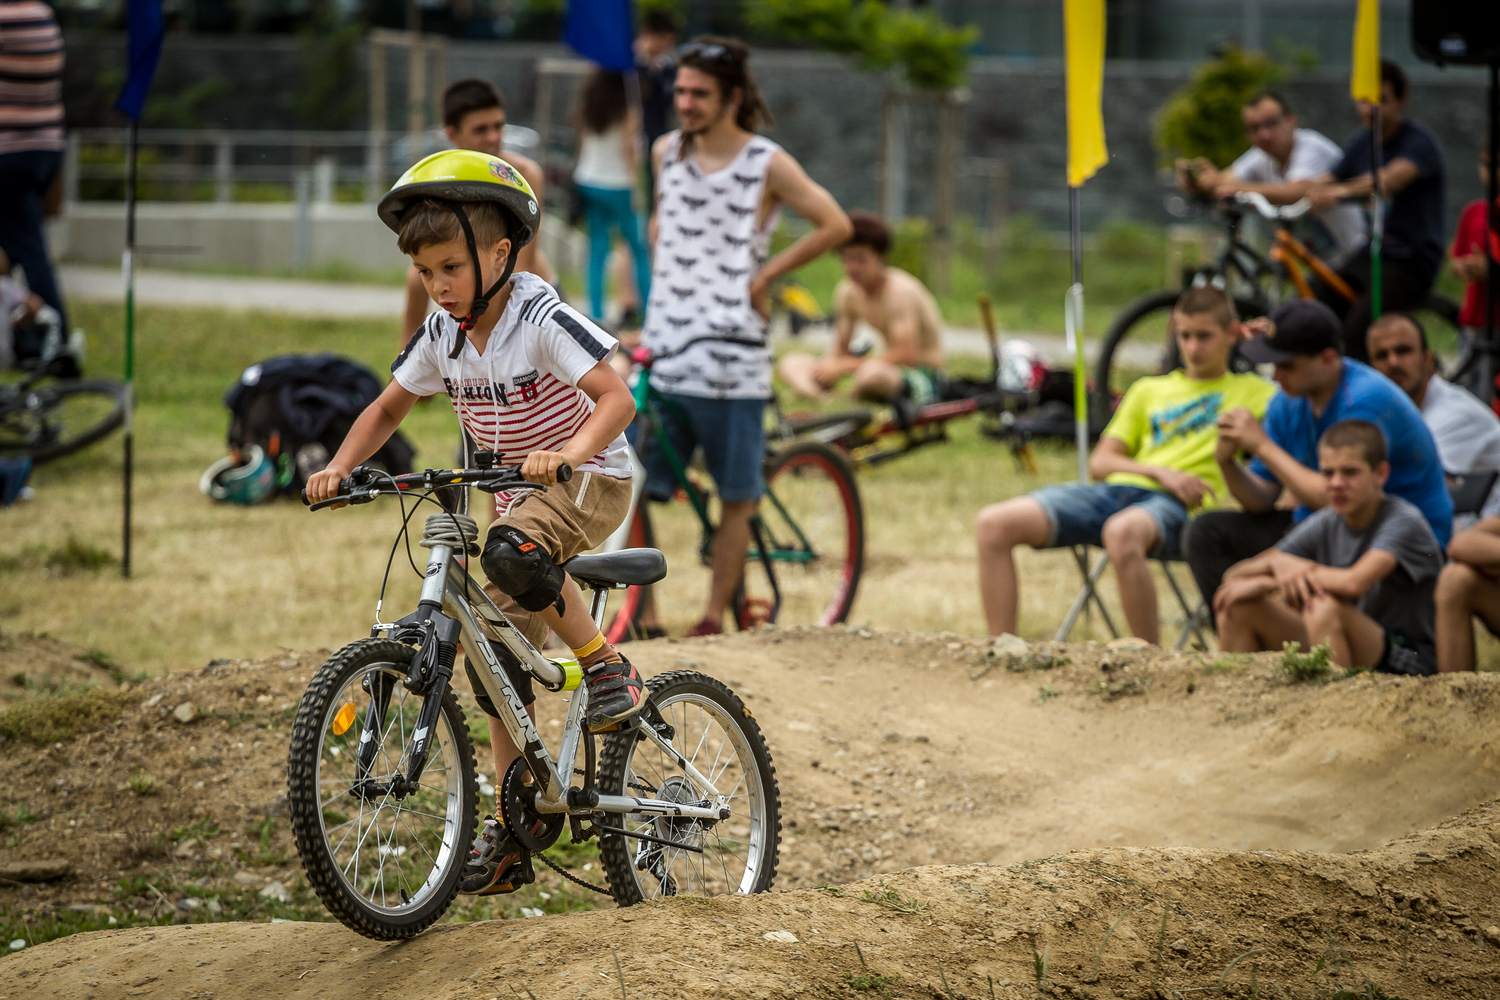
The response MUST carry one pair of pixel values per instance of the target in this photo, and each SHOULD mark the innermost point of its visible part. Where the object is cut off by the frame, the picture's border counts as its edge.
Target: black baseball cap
(1301, 327)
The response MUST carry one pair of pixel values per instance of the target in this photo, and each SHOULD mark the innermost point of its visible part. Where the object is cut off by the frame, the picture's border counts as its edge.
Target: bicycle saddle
(627, 568)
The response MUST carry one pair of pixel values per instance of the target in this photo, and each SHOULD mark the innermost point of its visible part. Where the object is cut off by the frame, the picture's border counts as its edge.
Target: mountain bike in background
(1257, 281)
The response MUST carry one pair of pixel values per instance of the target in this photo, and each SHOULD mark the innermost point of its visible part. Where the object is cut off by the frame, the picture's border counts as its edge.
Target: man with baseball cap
(1319, 388)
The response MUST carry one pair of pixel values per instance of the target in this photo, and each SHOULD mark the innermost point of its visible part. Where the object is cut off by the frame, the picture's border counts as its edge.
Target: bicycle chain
(571, 877)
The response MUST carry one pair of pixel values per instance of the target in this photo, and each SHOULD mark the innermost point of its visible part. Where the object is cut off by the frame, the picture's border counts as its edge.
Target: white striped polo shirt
(521, 395)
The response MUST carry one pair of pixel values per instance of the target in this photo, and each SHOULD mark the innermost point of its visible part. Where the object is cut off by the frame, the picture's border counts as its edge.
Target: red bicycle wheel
(620, 628)
(811, 525)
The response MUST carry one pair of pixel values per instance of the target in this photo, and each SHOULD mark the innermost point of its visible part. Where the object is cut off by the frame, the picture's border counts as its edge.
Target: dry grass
(218, 581)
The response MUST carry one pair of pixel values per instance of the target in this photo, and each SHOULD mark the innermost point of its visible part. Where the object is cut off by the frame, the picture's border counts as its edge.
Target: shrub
(48, 720)
(1203, 117)
(1309, 666)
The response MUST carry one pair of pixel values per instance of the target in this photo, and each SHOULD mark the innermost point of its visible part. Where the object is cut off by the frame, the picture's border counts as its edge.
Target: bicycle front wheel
(51, 420)
(808, 547)
(718, 758)
(385, 860)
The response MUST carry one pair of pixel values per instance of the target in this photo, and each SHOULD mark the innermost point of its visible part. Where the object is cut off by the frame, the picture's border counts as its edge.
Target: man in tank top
(720, 189)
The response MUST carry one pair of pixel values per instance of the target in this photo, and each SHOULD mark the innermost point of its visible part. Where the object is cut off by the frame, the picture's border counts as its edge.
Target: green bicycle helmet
(460, 175)
(246, 479)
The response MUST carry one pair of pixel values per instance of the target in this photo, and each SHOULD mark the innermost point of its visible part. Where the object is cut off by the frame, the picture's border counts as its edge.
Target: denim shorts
(731, 433)
(1076, 514)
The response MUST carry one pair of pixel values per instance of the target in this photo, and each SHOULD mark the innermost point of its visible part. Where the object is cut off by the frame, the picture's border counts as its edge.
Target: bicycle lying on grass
(381, 773)
(46, 414)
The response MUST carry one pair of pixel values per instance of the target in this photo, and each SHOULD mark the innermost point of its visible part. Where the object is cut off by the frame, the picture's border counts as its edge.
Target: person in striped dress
(31, 137)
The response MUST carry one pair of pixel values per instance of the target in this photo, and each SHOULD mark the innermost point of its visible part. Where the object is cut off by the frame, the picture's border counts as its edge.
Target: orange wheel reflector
(343, 720)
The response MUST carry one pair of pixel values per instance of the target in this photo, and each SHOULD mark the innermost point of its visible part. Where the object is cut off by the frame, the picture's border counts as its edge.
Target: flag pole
(127, 266)
(1073, 326)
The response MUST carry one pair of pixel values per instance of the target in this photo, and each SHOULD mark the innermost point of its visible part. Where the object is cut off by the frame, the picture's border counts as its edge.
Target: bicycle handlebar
(364, 484)
(1284, 213)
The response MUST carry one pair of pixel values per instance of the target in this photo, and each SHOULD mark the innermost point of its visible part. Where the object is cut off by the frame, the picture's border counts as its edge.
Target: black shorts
(1400, 658)
(520, 679)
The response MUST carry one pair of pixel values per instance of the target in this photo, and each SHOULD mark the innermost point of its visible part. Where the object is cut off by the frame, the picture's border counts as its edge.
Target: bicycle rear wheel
(56, 418)
(386, 864)
(715, 733)
(812, 527)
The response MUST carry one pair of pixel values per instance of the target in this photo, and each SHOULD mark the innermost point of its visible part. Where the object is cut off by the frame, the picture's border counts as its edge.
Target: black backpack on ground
(299, 407)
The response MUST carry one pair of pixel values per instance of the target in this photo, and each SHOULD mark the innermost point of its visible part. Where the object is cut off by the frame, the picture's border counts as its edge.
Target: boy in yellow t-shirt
(1156, 458)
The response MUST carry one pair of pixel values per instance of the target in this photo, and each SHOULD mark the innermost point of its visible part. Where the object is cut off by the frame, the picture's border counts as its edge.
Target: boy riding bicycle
(530, 381)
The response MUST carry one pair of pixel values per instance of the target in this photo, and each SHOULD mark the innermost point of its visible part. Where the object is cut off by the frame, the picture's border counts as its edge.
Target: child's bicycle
(48, 411)
(381, 773)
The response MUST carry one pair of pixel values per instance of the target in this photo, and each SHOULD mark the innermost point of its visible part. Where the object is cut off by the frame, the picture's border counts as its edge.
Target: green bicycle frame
(651, 402)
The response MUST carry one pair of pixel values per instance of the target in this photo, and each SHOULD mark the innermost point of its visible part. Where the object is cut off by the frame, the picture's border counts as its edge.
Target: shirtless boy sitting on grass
(901, 310)
(1358, 574)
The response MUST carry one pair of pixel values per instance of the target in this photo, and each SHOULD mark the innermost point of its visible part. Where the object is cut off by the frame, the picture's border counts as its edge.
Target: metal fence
(250, 165)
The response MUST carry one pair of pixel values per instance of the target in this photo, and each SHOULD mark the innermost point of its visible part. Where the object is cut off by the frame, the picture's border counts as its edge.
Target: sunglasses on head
(707, 51)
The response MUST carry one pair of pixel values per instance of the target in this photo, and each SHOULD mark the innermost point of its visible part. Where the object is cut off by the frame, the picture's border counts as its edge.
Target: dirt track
(1204, 788)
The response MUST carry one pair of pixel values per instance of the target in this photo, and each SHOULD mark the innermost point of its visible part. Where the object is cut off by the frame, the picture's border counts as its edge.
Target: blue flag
(602, 31)
(147, 29)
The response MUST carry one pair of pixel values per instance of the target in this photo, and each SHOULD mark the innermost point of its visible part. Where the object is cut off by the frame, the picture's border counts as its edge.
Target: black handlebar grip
(564, 472)
(305, 502)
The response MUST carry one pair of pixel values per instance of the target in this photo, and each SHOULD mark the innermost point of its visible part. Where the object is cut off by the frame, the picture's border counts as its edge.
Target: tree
(1203, 117)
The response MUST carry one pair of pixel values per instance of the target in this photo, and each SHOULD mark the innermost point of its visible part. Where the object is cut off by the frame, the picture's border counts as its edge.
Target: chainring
(517, 805)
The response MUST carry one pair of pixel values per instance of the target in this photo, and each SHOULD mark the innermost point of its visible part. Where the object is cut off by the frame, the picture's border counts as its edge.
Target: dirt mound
(894, 750)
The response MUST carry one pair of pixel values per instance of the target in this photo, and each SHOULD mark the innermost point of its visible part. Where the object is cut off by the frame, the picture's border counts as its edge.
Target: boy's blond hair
(431, 221)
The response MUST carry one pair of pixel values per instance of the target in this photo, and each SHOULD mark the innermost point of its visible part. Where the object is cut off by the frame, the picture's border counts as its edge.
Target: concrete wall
(828, 115)
(254, 237)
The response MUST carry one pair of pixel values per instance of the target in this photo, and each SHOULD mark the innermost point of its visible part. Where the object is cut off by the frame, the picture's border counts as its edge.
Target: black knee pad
(522, 569)
(519, 676)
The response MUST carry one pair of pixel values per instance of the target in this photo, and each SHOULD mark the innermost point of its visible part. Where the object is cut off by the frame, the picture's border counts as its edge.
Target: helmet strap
(481, 298)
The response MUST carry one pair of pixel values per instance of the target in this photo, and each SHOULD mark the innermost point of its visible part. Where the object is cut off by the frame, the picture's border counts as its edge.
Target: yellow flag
(1083, 25)
(1364, 79)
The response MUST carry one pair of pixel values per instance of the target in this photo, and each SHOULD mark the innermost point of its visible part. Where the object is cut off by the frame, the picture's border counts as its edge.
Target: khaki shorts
(568, 519)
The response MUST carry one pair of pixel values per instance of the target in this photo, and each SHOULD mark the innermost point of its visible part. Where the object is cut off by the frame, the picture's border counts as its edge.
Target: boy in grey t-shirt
(1359, 574)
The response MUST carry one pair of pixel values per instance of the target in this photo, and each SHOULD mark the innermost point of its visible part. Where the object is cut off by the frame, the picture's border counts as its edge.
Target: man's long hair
(731, 70)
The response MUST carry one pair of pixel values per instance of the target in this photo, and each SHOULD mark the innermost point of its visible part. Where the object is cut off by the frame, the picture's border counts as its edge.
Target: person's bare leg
(999, 528)
(796, 371)
(878, 380)
(1354, 638)
(1127, 537)
(731, 544)
(504, 747)
(1462, 593)
(1258, 625)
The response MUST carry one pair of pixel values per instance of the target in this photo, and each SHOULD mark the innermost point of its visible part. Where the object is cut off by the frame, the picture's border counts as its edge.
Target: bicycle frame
(447, 585)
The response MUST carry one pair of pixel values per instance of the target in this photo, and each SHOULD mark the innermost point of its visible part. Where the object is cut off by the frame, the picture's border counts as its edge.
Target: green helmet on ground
(460, 175)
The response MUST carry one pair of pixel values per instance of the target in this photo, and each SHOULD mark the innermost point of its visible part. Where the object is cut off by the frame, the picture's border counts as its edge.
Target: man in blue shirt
(1319, 388)
(1413, 177)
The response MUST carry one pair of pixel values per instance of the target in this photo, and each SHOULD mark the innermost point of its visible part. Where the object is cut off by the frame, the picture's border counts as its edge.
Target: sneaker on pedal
(615, 693)
(497, 864)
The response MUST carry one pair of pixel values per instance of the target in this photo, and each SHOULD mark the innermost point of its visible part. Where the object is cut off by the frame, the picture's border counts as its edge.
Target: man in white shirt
(1466, 431)
(1282, 163)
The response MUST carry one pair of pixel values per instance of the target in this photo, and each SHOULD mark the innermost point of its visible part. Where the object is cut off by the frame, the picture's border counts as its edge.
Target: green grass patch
(892, 900)
(73, 555)
(44, 720)
(871, 983)
(1305, 667)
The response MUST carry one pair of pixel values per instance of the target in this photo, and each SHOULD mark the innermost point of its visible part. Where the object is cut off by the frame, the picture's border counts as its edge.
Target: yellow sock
(596, 650)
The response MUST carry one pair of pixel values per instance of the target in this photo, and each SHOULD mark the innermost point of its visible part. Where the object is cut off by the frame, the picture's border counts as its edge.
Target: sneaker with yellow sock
(615, 689)
(497, 863)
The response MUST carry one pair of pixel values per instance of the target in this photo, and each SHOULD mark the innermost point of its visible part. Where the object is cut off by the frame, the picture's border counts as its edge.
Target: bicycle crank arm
(648, 838)
(657, 807)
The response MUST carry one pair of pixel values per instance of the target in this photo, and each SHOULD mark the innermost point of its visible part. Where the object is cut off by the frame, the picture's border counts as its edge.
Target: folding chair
(1470, 490)
(1196, 617)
